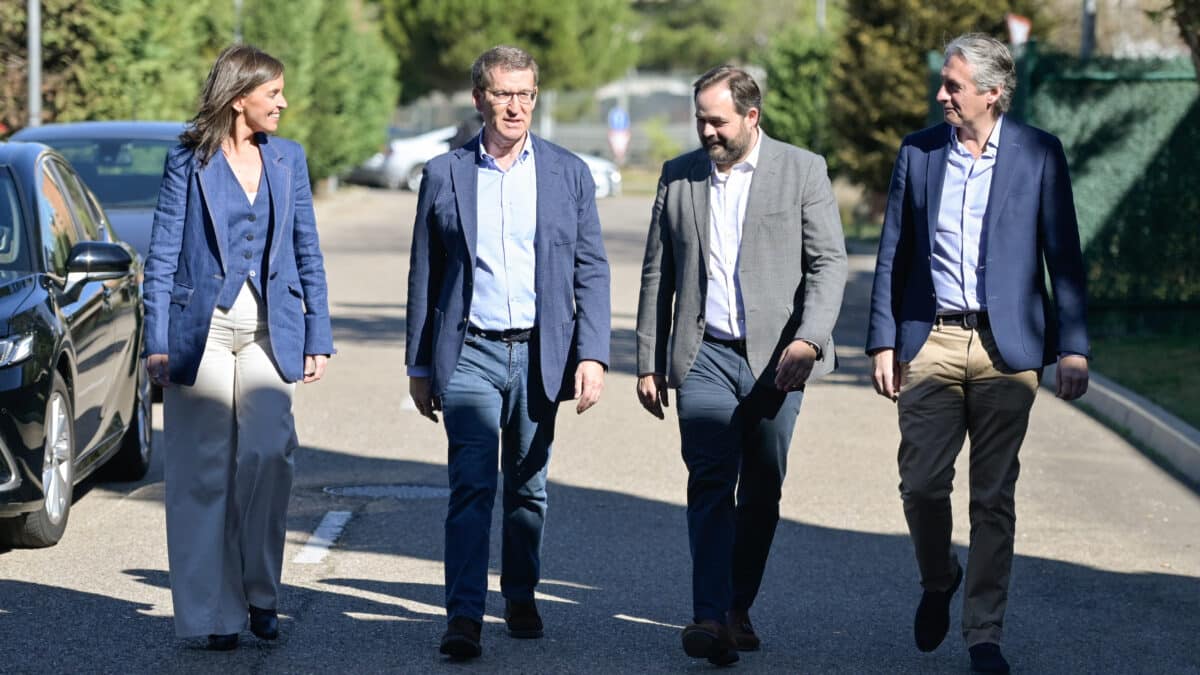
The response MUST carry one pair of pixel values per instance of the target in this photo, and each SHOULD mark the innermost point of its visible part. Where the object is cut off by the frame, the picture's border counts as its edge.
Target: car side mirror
(96, 261)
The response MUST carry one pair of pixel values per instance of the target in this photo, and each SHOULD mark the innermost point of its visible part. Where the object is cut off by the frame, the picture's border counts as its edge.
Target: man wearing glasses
(494, 346)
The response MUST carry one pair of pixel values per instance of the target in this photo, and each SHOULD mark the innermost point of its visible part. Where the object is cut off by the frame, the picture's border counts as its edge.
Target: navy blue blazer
(571, 275)
(1030, 228)
(186, 265)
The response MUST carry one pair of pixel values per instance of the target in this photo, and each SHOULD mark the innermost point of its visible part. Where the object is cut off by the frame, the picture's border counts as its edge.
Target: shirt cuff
(816, 347)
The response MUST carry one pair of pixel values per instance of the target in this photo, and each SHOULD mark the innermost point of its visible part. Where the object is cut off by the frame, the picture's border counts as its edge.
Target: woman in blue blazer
(236, 314)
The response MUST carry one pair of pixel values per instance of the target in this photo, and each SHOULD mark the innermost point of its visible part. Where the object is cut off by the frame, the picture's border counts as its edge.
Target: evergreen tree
(578, 43)
(881, 77)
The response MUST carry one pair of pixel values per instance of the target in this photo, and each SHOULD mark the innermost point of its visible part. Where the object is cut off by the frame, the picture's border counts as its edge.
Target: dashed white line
(317, 546)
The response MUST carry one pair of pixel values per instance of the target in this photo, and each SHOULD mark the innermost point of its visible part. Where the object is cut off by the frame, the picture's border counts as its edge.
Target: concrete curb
(1175, 441)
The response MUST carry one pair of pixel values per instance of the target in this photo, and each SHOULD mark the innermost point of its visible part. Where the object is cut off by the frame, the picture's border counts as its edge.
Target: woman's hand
(314, 367)
(156, 366)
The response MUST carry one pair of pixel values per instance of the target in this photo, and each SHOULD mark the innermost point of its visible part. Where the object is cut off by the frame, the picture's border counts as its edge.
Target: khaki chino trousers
(228, 470)
(959, 386)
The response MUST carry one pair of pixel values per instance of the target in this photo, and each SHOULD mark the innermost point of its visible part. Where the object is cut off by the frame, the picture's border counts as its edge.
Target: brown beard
(730, 150)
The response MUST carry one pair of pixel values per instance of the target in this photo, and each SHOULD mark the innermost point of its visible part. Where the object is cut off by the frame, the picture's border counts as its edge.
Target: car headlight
(15, 349)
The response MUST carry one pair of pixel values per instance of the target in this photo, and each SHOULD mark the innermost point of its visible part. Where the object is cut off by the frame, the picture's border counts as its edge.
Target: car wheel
(414, 177)
(45, 526)
(132, 460)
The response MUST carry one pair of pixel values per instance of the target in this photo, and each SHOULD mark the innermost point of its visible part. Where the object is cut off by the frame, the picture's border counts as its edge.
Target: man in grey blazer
(746, 246)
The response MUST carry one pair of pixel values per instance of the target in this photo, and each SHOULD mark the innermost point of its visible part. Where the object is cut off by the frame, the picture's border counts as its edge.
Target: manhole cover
(395, 491)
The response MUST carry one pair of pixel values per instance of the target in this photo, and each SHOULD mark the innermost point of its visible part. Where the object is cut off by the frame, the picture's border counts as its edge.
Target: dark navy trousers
(735, 433)
(492, 413)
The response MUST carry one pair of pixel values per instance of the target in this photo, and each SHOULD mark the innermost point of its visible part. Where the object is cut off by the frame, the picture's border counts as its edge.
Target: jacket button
(247, 255)
(251, 217)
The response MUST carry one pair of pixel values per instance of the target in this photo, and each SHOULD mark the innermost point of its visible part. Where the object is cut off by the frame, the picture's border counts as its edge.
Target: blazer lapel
(279, 187)
(548, 171)
(935, 175)
(764, 188)
(1002, 175)
(462, 174)
(214, 188)
(699, 180)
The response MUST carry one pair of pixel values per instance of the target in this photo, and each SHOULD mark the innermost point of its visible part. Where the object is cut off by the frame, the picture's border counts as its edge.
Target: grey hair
(505, 58)
(745, 91)
(991, 65)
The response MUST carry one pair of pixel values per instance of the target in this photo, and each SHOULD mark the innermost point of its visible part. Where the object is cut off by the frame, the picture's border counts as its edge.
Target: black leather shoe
(461, 639)
(522, 619)
(710, 640)
(986, 658)
(738, 622)
(933, 615)
(264, 623)
(222, 643)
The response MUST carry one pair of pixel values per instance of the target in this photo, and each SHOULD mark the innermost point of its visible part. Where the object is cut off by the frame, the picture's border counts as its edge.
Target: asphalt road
(1106, 578)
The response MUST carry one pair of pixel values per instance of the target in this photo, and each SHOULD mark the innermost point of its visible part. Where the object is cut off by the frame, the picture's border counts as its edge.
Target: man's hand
(314, 367)
(1071, 376)
(795, 365)
(888, 376)
(589, 382)
(156, 366)
(420, 389)
(652, 392)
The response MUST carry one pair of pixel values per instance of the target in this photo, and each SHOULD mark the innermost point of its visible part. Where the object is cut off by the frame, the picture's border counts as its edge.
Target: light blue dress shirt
(959, 246)
(504, 295)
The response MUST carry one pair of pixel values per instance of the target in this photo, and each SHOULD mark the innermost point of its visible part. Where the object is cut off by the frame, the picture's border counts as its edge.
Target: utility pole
(821, 15)
(34, 27)
(1087, 38)
(237, 21)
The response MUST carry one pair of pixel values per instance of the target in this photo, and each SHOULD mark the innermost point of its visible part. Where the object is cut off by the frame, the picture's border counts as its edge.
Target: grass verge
(1160, 367)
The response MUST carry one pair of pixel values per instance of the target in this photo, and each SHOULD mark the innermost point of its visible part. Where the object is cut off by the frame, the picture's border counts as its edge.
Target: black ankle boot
(264, 623)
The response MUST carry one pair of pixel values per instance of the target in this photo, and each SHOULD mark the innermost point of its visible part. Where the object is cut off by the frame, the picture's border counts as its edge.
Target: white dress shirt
(959, 245)
(728, 194)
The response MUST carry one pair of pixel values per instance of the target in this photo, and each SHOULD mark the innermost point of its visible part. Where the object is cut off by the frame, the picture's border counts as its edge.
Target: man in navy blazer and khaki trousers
(979, 209)
(508, 314)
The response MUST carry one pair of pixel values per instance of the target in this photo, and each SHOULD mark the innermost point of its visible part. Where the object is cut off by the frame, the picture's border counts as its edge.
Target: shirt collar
(486, 159)
(993, 141)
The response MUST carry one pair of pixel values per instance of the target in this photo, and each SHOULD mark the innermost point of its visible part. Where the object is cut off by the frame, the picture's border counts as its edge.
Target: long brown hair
(239, 70)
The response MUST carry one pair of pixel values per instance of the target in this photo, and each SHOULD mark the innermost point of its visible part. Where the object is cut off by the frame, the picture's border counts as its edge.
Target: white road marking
(327, 532)
(634, 619)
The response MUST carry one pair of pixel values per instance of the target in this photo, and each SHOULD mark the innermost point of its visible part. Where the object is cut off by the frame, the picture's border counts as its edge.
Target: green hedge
(1131, 130)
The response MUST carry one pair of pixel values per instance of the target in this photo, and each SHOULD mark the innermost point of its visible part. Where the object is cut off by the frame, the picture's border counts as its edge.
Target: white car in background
(400, 162)
(605, 174)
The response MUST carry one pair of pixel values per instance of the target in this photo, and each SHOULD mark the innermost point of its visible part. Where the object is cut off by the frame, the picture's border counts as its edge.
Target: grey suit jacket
(792, 262)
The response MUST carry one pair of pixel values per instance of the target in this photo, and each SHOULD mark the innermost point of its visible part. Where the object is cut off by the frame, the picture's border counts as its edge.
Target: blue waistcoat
(248, 227)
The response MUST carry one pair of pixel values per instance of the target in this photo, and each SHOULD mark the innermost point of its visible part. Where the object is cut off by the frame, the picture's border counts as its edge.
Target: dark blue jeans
(735, 433)
(491, 408)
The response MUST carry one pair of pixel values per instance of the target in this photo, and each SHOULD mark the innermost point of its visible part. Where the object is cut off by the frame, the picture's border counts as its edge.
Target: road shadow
(616, 572)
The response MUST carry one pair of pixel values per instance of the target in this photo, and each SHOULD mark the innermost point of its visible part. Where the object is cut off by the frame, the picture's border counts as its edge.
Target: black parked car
(73, 393)
(121, 161)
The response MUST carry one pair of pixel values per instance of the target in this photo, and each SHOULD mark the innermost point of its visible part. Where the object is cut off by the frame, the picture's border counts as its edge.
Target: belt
(963, 319)
(738, 346)
(508, 335)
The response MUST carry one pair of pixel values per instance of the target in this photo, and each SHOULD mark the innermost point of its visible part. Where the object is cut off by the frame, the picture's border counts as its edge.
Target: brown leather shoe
(710, 640)
(738, 621)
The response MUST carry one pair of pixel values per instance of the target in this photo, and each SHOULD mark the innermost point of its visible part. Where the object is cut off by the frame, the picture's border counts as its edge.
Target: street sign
(618, 119)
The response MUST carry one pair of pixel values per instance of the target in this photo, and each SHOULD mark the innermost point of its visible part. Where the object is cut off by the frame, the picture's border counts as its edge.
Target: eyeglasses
(523, 97)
